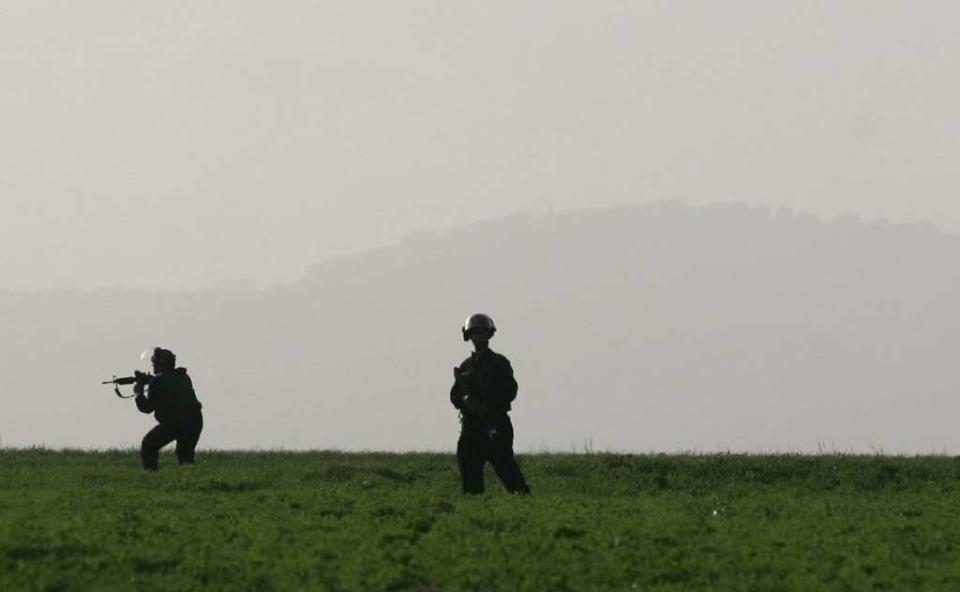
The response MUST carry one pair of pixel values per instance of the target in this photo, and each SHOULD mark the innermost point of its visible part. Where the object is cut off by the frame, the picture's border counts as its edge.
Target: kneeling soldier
(482, 391)
(170, 397)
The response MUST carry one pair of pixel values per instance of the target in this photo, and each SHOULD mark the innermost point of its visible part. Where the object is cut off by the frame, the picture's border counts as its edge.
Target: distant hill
(657, 327)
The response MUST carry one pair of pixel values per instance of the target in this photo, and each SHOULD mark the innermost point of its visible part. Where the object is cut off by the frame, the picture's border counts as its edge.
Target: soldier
(170, 397)
(482, 391)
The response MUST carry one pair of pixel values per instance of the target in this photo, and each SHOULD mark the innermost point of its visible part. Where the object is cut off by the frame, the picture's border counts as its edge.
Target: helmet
(478, 321)
(161, 357)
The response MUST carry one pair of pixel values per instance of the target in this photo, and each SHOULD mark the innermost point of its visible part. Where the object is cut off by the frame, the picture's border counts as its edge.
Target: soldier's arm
(506, 384)
(512, 386)
(148, 403)
(144, 404)
(457, 393)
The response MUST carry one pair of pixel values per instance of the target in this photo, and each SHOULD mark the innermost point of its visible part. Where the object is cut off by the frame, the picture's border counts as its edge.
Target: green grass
(324, 520)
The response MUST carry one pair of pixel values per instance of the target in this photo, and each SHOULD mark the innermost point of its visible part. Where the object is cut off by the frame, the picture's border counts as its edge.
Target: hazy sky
(179, 144)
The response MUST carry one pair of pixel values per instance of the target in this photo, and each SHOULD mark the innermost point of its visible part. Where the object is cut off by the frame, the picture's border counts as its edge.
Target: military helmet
(478, 321)
(161, 357)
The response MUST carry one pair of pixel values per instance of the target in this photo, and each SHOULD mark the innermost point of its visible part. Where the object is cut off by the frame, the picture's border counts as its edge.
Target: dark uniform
(170, 397)
(483, 393)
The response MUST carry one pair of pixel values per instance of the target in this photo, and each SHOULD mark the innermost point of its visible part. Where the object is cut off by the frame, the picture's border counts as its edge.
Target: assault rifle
(474, 406)
(138, 378)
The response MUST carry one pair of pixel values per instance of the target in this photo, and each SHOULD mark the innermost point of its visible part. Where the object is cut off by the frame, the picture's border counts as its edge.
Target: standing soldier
(170, 397)
(482, 391)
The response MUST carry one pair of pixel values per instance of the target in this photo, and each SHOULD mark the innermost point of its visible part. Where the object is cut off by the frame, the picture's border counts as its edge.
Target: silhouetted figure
(483, 389)
(170, 397)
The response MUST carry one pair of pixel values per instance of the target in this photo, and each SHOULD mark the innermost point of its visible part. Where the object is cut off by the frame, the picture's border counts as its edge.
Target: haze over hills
(658, 327)
(267, 137)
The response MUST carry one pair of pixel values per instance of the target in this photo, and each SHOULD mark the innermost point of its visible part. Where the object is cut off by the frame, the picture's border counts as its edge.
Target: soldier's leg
(470, 460)
(505, 463)
(190, 429)
(157, 438)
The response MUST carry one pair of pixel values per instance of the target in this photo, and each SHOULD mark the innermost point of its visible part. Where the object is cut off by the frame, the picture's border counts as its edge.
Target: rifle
(138, 378)
(471, 402)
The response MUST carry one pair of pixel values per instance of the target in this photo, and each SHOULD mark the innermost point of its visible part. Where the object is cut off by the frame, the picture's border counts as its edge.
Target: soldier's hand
(138, 389)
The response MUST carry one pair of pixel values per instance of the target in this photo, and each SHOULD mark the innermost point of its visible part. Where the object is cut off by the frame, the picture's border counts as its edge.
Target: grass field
(319, 521)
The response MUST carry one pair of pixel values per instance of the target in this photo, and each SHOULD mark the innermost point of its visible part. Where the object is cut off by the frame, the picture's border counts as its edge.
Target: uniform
(483, 392)
(172, 400)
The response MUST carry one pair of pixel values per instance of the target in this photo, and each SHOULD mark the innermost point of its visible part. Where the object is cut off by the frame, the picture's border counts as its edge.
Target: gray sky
(179, 144)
